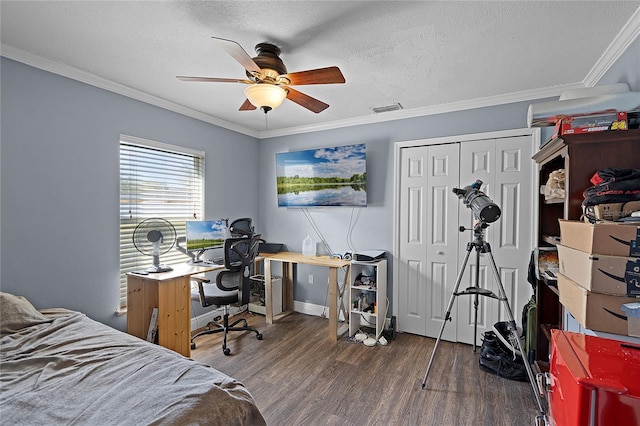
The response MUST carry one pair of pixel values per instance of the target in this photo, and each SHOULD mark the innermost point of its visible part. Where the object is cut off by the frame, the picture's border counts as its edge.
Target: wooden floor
(298, 377)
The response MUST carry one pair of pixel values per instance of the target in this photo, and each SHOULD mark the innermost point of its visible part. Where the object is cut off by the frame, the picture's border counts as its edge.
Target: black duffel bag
(613, 185)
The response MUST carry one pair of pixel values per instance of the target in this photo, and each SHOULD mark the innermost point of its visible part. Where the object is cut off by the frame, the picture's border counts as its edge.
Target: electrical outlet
(310, 279)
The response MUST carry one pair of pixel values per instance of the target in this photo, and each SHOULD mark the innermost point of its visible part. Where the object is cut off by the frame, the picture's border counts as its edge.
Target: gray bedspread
(77, 371)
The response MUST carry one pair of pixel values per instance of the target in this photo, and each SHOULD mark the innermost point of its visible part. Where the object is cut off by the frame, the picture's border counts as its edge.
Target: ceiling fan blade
(329, 75)
(213, 79)
(247, 106)
(312, 104)
(238, 53)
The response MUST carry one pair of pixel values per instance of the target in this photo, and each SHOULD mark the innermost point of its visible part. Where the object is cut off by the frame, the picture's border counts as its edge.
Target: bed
(61, 367)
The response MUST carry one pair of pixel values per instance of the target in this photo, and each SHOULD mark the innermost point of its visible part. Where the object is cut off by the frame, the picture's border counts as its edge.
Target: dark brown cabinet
(580, 156)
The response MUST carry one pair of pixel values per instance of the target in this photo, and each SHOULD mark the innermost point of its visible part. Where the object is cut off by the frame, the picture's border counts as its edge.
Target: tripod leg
(512, 326)
(447, 315)
(475, 300)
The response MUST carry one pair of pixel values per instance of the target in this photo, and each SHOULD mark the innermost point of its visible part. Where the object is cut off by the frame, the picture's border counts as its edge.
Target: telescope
(482, 206)
(485, 211)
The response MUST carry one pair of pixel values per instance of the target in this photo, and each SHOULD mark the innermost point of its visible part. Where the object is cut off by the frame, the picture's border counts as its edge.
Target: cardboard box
(613, 239)
(633, 317)
(595, 311)
(600, 273)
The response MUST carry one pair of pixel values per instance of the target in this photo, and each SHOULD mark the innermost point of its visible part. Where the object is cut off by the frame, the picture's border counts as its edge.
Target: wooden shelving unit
(581, 156)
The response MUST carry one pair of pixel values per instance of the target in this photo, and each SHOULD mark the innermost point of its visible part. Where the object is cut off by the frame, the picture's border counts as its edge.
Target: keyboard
(214, 261)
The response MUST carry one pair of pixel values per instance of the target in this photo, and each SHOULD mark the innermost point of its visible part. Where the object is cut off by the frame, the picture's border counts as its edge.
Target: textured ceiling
(428, 56)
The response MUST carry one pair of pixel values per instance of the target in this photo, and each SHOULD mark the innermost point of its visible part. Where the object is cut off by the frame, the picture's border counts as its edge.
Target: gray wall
(373, 226)
(626, 69)
(59, 181)
(60, 184)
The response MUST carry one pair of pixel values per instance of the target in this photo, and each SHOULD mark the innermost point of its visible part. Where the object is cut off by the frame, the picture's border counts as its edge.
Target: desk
(170, 292)
(288, 259)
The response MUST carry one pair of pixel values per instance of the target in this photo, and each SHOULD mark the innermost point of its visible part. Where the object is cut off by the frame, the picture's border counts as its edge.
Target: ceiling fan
(268, 80)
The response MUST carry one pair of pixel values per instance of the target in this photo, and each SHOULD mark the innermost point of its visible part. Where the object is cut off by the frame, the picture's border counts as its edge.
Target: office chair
(241, 228)
(233, 285)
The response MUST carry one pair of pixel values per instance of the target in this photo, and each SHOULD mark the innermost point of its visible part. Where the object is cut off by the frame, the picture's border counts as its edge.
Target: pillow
(16, 313)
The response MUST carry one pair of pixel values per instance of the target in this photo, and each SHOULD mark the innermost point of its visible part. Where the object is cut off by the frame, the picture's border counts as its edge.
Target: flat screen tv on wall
(335, 176)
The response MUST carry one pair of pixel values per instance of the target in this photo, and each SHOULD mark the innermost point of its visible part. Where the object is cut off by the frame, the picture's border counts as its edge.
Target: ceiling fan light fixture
(265, 96)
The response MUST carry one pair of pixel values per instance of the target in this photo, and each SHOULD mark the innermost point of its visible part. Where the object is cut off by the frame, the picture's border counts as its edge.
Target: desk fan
(153, 237)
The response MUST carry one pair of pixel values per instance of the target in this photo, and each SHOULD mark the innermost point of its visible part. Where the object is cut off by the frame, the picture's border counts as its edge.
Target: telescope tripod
(481, 246)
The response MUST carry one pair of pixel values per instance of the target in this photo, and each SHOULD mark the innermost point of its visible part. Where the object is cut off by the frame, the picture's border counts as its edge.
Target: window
(156, 180)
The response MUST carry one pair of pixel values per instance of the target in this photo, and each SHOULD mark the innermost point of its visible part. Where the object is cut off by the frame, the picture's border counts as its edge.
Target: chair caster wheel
(259, 336)
(193, 345)
(226, 351)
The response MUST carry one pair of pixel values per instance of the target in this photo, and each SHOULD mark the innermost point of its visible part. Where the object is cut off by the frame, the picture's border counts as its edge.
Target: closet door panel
(442, 247)
(411, 258)
(513, 237)
(428, 247)
(477, 162)
(503, 166)
(431, 248)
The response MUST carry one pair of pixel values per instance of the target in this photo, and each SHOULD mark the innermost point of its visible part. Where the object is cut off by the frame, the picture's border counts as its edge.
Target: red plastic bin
(593, 381)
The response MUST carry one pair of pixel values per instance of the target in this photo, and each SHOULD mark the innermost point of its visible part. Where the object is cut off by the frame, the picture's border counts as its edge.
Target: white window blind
(156, 181)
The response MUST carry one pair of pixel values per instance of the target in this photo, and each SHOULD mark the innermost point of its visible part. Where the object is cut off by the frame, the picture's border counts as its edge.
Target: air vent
(392, 107)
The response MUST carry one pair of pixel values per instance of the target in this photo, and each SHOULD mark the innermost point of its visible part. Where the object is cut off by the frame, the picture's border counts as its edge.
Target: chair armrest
(200, 280)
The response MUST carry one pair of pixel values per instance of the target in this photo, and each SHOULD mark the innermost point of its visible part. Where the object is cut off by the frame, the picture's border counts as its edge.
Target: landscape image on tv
(322, 177)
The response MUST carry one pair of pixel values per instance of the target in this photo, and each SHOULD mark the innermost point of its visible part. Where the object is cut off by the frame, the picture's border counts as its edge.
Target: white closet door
(504, 166)
(428, 237)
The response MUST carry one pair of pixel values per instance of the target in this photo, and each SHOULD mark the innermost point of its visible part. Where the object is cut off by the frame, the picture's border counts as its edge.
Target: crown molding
(618, 46)
(527, 95)
(73, 73)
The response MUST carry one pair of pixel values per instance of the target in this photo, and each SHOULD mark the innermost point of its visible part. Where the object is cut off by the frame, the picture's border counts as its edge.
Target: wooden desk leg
(174, 315)
(268, 292)
(287, 285)
(333, 304)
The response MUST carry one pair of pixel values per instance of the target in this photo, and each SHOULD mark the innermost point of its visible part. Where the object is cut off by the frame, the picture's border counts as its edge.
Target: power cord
(341, 289)
(359, 337)
(317, 230)
(386, 311)
(350, 230)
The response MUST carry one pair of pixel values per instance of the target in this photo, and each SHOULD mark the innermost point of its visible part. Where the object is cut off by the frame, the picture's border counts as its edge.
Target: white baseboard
(202, 320)
(313, 309)
(308, 308)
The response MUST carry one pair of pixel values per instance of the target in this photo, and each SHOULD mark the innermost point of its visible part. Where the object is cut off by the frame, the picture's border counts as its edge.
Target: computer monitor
(203, 235)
